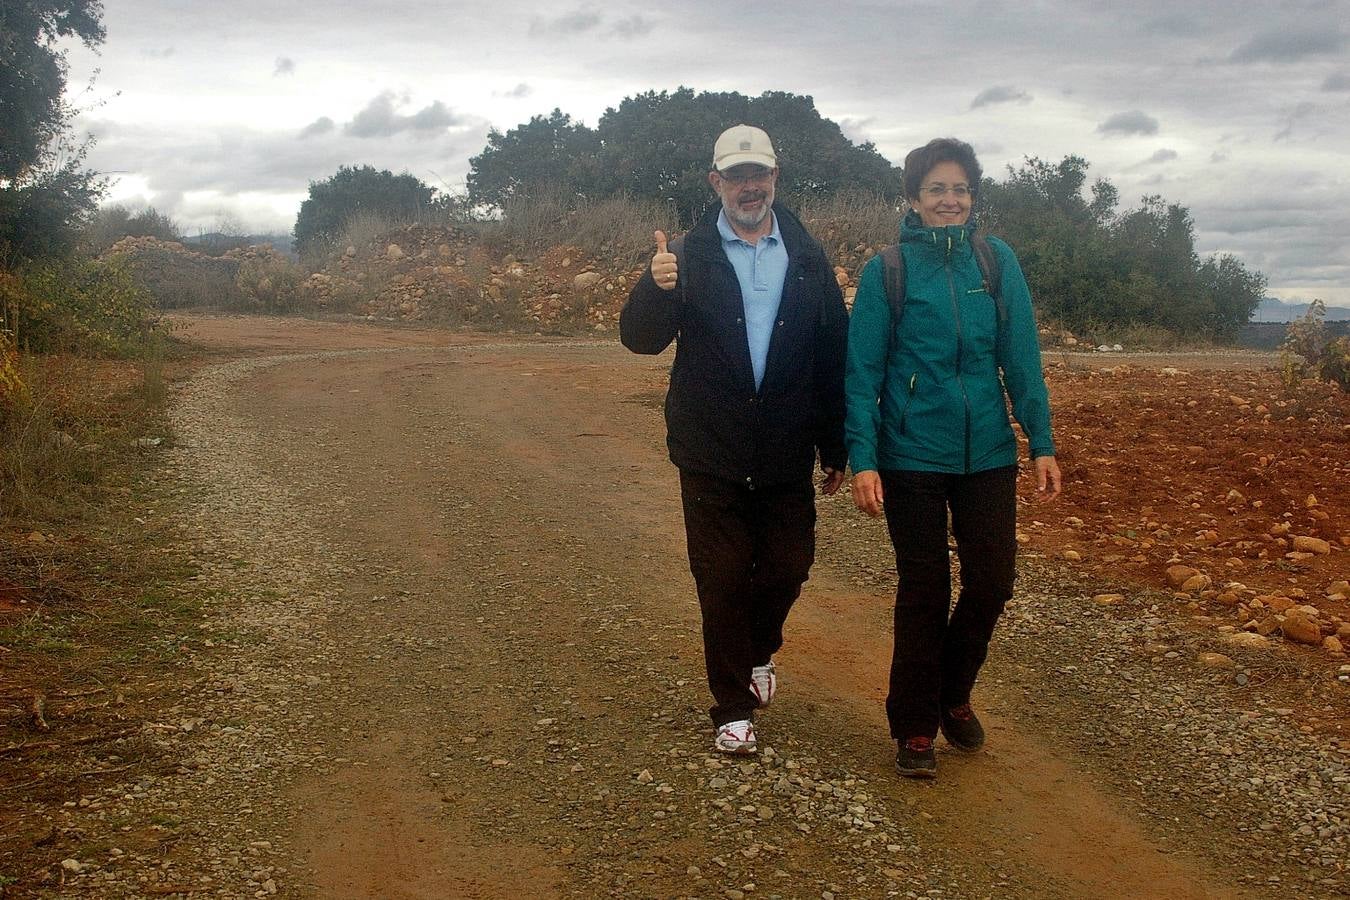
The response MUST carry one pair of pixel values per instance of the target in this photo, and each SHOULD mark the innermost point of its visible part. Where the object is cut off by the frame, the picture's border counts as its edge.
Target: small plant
(1308, 351)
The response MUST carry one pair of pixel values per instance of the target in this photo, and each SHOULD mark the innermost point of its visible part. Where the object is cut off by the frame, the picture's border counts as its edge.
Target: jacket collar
(940, 237)
(705, 238)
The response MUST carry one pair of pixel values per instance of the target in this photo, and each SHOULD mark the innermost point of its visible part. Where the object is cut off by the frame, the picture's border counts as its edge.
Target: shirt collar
(729, 234)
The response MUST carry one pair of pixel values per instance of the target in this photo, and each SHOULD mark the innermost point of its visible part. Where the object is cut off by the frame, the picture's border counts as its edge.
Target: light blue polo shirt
(761, 269)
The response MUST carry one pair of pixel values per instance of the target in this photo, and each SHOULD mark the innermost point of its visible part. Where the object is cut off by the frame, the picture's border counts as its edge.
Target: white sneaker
(736, 737)
(764, 683)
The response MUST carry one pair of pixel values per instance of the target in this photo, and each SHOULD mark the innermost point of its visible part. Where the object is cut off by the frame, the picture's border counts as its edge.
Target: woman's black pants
(750, 550)
(937, 656)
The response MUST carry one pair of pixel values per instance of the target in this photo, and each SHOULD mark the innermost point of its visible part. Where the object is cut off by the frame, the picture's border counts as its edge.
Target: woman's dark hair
(922, 159)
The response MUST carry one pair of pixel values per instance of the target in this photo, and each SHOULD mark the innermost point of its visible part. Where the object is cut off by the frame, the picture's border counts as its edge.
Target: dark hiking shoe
(961, 728)
(916, 758)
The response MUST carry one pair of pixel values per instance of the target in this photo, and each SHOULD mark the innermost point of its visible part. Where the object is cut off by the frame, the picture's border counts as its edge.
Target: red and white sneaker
(736, 737)
(763, 682)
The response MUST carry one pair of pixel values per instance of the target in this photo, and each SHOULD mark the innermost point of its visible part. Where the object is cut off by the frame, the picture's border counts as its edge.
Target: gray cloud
(519, 92)
(1289, 45)
(1292, 118)
(1219, 156)
(321, 125)
(1166, 154)
(157, 52)
(284, 66)
(1000, 94)
(1132, 122)
(1174, 25)
(576, 22)
(633, 26)
(380, 119)
(1337, 81)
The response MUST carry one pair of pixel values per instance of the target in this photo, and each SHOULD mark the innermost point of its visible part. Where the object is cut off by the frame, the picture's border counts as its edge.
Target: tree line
(1091, 264)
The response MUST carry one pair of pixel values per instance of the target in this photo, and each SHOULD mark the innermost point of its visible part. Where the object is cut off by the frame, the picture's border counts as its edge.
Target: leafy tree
(41, 212)
(113, 222)
(658, 145)
(44, 189)
(546, 151)
(352, 191)
(33, 73)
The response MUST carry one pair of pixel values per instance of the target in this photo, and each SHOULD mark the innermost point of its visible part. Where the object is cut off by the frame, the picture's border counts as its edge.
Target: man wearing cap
(756, 395)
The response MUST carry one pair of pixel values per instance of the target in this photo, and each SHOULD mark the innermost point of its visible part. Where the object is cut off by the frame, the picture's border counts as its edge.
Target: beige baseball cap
(741, 144)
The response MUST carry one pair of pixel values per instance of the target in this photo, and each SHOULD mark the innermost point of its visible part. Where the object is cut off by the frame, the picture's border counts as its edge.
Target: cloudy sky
(224, 112)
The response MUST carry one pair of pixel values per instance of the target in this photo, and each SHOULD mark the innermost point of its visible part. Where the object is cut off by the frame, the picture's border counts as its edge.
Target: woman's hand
(867, 495)
(1047, 477)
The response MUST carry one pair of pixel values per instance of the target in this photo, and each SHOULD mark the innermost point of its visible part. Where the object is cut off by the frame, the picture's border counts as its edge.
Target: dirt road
(455, 653)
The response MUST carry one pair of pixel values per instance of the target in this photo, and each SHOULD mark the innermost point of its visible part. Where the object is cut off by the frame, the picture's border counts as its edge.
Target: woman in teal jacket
(928, 433)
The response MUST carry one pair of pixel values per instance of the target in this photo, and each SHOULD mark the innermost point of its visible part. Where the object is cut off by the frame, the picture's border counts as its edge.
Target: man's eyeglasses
(745, 176)
(960, 191)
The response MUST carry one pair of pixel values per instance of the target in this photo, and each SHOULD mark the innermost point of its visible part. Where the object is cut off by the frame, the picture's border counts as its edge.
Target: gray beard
(745, 220)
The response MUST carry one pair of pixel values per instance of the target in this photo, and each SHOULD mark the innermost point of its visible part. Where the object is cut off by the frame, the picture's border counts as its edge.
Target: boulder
(1298, 627)
(1306, 544)
(1179, 575)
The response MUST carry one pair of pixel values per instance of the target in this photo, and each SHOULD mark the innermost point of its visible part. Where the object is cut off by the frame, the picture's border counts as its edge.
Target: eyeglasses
(745, 176)
(960, 191)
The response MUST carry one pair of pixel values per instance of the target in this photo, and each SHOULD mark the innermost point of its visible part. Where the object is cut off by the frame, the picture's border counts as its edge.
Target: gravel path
(455, 654)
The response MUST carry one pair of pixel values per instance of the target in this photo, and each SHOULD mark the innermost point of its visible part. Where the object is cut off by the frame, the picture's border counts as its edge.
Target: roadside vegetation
(84, 363)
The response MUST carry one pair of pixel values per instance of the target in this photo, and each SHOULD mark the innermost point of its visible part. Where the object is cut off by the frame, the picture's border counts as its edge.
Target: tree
(546, 151)
(44, 189)
(658, 145)
(351, 191)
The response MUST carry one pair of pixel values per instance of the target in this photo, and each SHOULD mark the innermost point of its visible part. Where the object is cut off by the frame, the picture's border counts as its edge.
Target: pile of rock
(176, 276)
(1289, 613)
(443, 274)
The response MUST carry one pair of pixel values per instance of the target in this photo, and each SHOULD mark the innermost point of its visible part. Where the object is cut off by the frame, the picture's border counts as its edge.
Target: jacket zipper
(909, 398)
(960, 348)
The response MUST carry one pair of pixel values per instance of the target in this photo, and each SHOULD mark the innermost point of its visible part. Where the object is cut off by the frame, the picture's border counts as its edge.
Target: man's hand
(834, 478)
(867, 493)
(1047, 477)
(664, 269)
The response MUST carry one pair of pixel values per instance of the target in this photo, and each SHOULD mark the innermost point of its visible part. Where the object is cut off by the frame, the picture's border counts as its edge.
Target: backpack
(893, 277)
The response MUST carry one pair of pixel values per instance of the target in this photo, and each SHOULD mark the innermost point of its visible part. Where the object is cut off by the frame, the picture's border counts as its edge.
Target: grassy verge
(92, 610)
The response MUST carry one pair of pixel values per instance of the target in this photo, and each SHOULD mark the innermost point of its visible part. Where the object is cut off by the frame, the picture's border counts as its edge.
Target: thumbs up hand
(664, 268)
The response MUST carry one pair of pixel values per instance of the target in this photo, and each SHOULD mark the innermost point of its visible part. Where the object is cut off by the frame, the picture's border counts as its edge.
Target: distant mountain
(280, 242)
(1272, 310)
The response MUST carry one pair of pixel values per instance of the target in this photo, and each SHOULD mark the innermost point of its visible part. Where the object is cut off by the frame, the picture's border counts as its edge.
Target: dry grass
(89, 606)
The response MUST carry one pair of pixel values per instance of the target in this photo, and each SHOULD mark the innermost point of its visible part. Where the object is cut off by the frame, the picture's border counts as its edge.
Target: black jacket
(717, 423)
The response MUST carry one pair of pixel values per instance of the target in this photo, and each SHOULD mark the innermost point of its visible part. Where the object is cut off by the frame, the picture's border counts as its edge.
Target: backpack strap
(992, 272)
(893, 277)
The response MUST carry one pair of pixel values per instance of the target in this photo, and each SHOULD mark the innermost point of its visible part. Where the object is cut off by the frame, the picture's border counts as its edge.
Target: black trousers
(750, 550)
(937, 657)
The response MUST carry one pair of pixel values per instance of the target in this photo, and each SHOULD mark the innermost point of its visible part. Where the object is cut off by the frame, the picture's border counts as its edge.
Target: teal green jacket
(940, 403)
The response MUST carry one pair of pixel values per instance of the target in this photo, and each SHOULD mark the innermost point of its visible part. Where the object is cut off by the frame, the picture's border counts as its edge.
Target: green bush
(1309, 352)
(80, 305)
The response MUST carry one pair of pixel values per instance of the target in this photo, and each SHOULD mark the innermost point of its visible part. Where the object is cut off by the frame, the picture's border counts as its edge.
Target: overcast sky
(1238, 110)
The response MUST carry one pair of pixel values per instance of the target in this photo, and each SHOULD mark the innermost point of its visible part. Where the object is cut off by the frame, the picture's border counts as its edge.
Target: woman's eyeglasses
(942, 190)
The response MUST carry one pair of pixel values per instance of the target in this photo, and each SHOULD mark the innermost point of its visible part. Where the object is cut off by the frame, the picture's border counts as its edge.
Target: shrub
(80, 306)
(1309, 352)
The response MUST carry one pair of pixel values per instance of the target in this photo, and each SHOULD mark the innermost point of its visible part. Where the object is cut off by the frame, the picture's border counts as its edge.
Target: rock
(1338, 587)
(645, 777)
(72, 865)
(1215, 661)
(1333, 644)
(1311, 501)
(586, 280)
(1107, 599)
(1247, 639)
(393, 251)
(1196, 583)
(1297, 626)
(1228, 598)
(1179, 575)
(1305, 544)
(1072, 555)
